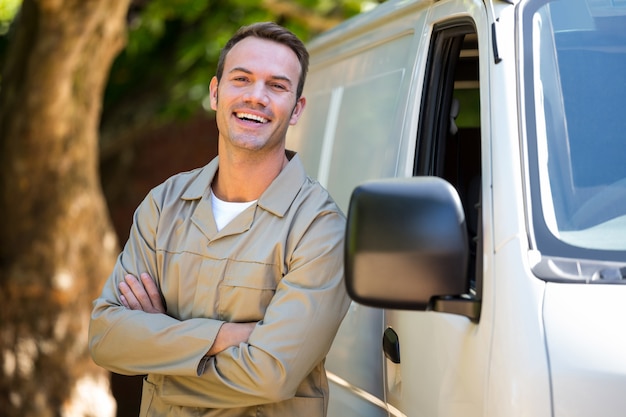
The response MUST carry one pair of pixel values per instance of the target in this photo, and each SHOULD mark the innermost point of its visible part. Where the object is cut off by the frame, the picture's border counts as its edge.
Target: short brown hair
(273, 32)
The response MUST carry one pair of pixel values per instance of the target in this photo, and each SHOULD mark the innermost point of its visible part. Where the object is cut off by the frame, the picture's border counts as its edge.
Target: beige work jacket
(280, 262)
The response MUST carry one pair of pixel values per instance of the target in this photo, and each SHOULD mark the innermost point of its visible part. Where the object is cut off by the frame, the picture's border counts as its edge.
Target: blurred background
(99, 102)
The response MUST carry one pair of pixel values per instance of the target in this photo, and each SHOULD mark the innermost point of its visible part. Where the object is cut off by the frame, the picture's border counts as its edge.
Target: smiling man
(229, 291)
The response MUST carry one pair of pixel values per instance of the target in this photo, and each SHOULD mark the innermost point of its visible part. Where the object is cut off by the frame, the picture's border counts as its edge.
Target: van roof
(365, 21)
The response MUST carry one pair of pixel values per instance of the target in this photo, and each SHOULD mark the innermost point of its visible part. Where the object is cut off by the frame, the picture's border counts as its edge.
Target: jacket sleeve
(294, 337)
(131, 342)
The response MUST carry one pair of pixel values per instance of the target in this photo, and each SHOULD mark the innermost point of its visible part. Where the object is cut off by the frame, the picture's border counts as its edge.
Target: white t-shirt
(225, 211)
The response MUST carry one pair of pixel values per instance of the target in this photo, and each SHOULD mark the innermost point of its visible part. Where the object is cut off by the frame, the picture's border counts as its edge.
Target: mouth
(251, 118)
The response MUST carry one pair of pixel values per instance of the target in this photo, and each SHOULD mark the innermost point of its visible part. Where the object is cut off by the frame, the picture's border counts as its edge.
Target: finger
(127, 297)
(124, 301)
(153, 292)
(139, 293)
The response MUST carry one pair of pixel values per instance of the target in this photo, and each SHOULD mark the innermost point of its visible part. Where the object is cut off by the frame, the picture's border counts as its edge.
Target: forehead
(263, 56)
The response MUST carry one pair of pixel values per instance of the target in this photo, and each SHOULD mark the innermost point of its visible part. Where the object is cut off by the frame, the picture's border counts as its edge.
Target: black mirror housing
(406, 243)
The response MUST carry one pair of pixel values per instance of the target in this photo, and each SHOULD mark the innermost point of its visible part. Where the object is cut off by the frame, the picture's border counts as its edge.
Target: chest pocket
(246, 290)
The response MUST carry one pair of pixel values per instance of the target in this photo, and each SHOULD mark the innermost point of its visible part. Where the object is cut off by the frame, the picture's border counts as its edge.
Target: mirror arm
(456, 304)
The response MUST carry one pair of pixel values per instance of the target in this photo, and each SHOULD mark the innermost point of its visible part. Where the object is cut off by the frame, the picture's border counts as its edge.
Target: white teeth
(252, 117)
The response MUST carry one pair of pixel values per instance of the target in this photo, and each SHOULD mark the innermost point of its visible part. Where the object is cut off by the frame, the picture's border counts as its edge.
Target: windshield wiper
(610, 274)
(584, 271)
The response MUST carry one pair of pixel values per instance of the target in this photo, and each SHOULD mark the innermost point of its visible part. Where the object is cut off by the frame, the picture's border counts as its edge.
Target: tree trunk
(57, 244)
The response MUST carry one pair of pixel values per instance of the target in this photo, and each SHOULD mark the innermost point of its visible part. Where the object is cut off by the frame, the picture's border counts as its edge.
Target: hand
(141, 295)
(231, 334)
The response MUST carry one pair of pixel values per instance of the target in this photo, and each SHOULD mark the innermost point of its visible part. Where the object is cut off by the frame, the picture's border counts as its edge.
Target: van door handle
(391, 345)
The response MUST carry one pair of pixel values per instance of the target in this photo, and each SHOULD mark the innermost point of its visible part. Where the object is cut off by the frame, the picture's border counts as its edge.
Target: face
(255, 101)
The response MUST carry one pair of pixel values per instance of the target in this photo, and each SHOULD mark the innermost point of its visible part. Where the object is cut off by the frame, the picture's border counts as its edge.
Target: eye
(279, 87)
(240, 79)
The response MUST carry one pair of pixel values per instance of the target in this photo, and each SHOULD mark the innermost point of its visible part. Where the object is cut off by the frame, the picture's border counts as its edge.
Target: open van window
(449, 133)
(575, 54)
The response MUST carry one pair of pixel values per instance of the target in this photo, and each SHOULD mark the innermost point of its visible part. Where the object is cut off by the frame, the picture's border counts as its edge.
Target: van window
(356, 112)
(575, 60)
(449, 135)
(317, 108)
(364, 128)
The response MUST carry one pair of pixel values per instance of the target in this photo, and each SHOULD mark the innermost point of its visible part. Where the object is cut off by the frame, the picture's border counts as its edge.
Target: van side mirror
(406, 246)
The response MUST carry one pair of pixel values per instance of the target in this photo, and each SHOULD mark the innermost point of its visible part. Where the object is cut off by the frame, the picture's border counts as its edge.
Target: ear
(297, 111)
(213, 93)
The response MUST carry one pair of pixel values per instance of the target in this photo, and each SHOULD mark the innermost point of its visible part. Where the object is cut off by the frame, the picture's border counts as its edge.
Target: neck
(244, 178)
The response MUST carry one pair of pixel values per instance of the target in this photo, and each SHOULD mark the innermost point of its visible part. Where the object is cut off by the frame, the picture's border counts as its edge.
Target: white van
(478, 149)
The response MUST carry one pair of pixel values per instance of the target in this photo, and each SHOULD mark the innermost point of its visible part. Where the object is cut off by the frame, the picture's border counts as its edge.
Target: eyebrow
(274, 77)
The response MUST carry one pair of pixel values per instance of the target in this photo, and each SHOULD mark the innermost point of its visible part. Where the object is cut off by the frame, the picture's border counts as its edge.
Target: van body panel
(586, 350)
(519, 378)
(355, 365)
(341, 125)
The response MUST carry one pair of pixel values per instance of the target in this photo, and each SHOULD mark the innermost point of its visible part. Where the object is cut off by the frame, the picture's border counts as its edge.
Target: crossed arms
(143, 294)
(210, 343)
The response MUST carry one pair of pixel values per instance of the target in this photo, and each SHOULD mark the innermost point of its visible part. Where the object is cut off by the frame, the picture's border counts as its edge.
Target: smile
(251, 117)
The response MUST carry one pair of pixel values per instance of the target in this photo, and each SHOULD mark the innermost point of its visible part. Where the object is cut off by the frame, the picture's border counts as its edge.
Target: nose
(257, 93)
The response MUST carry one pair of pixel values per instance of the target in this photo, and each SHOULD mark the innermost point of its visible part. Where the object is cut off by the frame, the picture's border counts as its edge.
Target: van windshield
(574, 54)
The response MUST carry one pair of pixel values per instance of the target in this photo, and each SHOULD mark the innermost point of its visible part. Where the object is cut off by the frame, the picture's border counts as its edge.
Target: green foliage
(173, 47)
(8, 9)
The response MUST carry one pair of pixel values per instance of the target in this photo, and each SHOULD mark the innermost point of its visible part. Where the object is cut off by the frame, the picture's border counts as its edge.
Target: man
(229, 290)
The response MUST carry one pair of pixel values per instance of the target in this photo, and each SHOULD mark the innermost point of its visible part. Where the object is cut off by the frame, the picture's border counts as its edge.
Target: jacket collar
(277, 197)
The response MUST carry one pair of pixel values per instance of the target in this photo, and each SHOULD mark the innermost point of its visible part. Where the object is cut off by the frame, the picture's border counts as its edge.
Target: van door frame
(443, 367)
